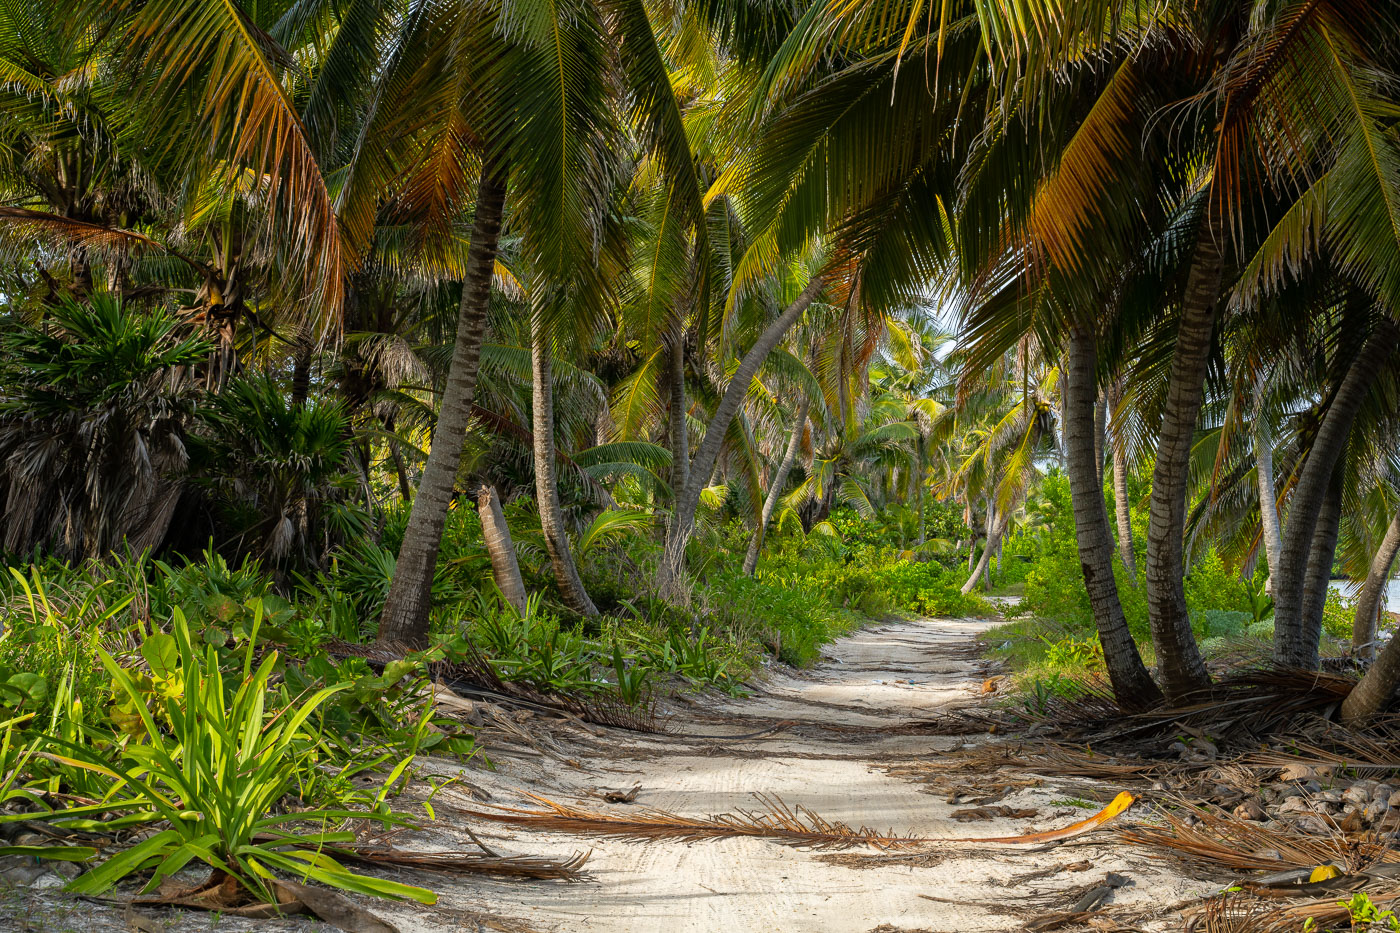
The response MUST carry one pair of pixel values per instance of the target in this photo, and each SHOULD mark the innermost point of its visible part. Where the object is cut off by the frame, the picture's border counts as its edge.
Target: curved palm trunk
(1122, 508)
(996, 524)
(1295, 633)
(1368, 601)
(404, 620)
(1321, 553)
(775, 489)
(1178, 658)
(1133, 686)
(556, 539)
(505, 566)
(707, 454)
(919, 493)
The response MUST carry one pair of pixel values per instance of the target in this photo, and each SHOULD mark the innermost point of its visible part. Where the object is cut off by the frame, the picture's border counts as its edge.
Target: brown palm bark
(1369, 599)
(707, 454)
(505, 565)
(1179, 661)
(1133, 686)
(404, 621)
(556, 539)
(775, 488)
(1321, 552)
(1295, 632)
(1122, 508)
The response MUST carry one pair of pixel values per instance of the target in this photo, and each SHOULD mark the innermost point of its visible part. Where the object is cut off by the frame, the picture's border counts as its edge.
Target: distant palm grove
(629, 343)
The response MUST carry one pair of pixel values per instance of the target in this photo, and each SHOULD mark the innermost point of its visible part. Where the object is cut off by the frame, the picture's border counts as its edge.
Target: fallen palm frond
(460, 863)
(1245, 912)
(1221, 841)
(795, 826)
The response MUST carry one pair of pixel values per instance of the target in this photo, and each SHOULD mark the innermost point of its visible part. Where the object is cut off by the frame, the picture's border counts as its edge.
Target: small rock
(1382, 792)
(1312, 788)
(1206, 748)
(49, 880)
(1250, 810)
(1179, 749)
(1329, 796)
(68, 870)
(1295, 805)
(1298, 772)
(1356, 795)
(29, 839)
(1312, 823)
(1376, 810)
(1223, 790)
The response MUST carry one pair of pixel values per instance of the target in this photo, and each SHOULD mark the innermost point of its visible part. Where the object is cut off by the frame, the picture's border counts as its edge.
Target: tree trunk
(556, 539)
(1132, 684)
(1271, 526)
(1368, 601)
(404, 621)
(996, 525)
(1178, 658)
(301, 371)
(1122, 508)
(775, 489)
(680, 438)
(1295, 643)
(1100, 435)
(1321, 553)
(401, 471)
(505, 566)
(919, 493)
(707, 454)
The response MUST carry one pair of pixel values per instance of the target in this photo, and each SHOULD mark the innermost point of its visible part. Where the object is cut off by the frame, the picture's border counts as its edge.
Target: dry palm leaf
(461, 863)
(223, 894)
(795, 826)
(1240, 845)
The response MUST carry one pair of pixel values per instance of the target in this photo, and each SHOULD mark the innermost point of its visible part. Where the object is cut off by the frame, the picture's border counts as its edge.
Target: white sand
(882, 676)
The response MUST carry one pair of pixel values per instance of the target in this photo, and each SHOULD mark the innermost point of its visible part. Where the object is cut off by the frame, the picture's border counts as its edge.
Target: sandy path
(832, 758)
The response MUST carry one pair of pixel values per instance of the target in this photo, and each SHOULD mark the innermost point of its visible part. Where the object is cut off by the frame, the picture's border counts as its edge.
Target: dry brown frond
(795, 826)
(464, 863)
(1239, 845)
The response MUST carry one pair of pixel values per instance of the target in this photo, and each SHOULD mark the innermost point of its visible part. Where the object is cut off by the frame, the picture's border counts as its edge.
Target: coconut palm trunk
(1321, 552)
(1122, 509)
(404, 621)
(1369, 599)
(775, 489)
(1295, 632)
(996, 524)
(1179, 663)
(707, 454)
(1270, 524)
(556, 539)
(1133, 686)
(505, 565)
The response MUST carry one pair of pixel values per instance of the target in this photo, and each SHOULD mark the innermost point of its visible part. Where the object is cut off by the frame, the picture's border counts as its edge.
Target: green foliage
(211, 761)
(1338, 615)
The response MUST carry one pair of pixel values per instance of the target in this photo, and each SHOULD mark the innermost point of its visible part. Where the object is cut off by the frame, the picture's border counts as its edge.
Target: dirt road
(843, 741)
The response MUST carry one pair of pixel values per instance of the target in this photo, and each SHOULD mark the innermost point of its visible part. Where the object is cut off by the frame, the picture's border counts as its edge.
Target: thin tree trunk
(707, 454)
(680, 437)
(1369, 599)
(404, 621)
(1270, 525)
(1100, 435)
(301, 372)
(1321, 553)
(1132, 684)
(775, 489)
(1179, 661)
(401, 471)
(1295, 642)
(919, 493)
(996, 525)
(556, 539)
(505, 566)
(1122, 508)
